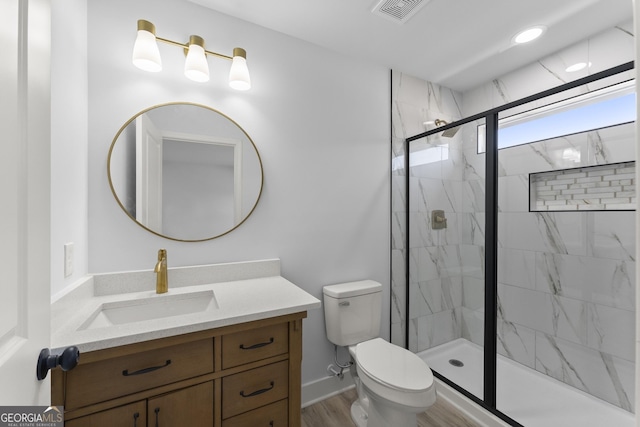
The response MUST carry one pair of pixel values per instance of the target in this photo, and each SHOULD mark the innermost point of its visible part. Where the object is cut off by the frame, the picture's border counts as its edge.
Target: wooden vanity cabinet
(240, 375)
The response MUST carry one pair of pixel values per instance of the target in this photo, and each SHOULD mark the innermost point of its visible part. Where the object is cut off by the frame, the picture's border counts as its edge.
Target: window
(609, 106)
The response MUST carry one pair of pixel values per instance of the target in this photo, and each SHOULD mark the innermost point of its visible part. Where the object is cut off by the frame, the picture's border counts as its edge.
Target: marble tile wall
(606, 50)
(567, 289)
(435, 178)
(566, 280)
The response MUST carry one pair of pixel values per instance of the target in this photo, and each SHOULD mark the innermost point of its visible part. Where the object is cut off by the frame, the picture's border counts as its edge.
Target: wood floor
(335, 412)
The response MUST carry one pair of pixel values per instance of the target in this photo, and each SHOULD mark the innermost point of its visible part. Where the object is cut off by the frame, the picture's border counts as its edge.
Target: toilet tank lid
(352, 289)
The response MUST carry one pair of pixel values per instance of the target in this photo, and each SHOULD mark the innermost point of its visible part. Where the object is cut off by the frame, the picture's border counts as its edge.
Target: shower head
(449, 133)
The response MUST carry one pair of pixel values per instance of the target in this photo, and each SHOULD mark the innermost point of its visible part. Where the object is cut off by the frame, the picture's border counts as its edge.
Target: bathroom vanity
(235, 362)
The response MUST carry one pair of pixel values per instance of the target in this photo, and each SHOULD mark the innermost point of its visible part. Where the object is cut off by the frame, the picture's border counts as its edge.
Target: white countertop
(238, 301)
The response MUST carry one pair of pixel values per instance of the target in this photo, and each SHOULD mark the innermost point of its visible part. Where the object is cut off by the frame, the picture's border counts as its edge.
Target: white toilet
(393, 384)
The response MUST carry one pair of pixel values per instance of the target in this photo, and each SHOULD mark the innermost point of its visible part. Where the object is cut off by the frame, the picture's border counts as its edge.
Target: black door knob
(67, 360)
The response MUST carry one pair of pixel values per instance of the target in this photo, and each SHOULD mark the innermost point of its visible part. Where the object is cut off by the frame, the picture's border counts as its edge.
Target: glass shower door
(446, 254)
(566, 268)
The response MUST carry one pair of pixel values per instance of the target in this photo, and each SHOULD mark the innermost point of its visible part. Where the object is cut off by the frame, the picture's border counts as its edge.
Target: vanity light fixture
(146, 56)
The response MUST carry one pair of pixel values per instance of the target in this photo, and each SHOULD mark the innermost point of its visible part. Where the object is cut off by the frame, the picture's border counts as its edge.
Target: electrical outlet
(68, 259)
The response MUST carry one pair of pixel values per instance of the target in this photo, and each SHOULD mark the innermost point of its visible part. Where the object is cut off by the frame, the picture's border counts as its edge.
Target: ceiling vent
(399, 11)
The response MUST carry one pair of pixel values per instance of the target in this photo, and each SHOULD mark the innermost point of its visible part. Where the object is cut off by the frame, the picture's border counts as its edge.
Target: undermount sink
(150, 308)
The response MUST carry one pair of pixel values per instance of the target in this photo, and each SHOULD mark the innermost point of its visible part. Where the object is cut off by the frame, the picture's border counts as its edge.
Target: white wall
(319, 120)
(68, 139)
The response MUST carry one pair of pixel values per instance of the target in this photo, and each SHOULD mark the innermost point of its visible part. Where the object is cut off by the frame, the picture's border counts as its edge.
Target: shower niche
(608, 187)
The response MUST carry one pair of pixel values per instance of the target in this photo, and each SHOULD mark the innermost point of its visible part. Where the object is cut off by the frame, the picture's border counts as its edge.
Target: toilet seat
(395, 373)
(393, 366)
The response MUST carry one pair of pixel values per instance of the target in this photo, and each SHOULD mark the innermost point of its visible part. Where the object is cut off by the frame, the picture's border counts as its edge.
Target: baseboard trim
(467, 406)
(324, 388)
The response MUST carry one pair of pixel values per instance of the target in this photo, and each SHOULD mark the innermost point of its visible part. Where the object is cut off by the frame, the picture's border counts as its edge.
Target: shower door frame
(491, 232)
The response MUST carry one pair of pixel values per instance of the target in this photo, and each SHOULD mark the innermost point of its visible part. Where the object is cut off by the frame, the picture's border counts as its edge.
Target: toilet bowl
(398, 384)
(393, 384)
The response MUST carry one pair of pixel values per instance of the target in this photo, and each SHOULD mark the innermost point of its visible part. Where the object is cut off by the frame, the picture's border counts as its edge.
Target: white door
(148, 174)
(24, 198)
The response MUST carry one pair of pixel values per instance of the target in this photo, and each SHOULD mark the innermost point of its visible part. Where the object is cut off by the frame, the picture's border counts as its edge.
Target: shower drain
(455, 362)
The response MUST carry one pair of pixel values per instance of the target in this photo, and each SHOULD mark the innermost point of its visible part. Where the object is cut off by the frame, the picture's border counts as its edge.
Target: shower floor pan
(527, 396)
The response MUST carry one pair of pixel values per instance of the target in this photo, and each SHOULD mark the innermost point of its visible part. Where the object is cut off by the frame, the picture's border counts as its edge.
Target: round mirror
(185, 171)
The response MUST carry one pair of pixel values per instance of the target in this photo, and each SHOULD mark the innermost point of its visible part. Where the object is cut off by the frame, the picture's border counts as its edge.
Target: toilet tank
(352, 311)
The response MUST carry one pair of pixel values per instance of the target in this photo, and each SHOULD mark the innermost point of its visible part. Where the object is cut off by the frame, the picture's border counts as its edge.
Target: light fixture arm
(186, 46)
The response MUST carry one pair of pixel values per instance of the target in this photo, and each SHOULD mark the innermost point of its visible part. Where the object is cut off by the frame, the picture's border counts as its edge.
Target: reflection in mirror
(185, 171)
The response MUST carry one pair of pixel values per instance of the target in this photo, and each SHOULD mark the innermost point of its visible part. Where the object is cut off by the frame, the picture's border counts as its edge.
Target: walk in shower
(513, 258)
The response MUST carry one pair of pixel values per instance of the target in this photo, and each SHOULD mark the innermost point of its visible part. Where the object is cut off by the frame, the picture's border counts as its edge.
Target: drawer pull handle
(126, 372)
(157, 421)
(257, 392)
(260, 344)
(135, 419)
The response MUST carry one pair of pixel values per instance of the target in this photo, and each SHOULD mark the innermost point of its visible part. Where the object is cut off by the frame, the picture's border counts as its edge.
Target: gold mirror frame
(122, 206)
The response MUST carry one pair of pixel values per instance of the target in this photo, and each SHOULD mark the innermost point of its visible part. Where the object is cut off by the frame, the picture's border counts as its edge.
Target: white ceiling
(456, 43)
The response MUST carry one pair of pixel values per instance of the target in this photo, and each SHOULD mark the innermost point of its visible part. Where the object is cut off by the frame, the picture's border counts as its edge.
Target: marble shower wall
(435, 183)
(566, 290)
(566, 280)
(603, 51)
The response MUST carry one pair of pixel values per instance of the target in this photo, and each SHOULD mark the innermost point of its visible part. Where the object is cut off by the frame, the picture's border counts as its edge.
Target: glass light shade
(146, 55)
(196, 67)
(239, 78)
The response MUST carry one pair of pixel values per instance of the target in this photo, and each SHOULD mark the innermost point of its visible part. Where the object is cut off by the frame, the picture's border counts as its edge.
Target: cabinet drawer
(111, 378)
(274, 415)
(132, 415)
(254, 388)
(255, 344)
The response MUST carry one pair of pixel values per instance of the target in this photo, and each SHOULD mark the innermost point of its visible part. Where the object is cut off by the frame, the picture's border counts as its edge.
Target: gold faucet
(162, 281)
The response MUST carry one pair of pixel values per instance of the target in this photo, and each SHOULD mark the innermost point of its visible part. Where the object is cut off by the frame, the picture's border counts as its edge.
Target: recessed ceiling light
(528, 35)
(577, 67)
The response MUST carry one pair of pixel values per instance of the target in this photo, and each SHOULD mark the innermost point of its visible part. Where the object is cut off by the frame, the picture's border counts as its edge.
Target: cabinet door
(192, 406)
(132, 415)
